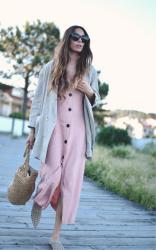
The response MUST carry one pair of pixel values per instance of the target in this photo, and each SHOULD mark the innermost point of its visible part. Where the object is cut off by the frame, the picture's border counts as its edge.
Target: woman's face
(77, 46)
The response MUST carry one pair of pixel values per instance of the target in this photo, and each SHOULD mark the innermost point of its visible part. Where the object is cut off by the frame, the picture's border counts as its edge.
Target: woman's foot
(56, 244)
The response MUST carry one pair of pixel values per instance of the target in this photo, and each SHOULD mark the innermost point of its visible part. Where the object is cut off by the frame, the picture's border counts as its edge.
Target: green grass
(126, 171)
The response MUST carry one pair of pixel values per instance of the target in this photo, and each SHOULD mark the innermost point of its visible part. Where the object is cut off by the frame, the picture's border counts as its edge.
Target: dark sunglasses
(75, 37)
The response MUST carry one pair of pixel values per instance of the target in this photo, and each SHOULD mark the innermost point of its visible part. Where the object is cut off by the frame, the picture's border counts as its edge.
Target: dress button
(65, 141)
(68, 125)
(70, 94)
(69, 109)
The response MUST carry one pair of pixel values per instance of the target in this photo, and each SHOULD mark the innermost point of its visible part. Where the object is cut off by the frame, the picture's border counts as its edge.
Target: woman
(62, 132)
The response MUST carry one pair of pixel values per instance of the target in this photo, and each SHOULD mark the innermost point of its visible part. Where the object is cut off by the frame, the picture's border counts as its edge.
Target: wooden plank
(82, 209)
(89, 220)
(74, 247)
(99, 215)
(43, 247)
(80, 233)
(79, 241)
(82, 226)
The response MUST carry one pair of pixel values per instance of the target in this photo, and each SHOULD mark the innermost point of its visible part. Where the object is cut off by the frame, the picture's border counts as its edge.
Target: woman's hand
(85, 87)
(31, 138)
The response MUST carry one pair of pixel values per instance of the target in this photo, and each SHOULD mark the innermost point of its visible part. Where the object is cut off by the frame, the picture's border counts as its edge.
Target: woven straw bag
(23, 184)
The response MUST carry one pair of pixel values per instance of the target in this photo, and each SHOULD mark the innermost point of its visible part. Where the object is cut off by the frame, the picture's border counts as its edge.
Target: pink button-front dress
(63, 171)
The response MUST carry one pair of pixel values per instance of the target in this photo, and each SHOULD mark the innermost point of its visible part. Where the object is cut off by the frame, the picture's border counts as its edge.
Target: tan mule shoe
(36, 214)
(56, 244)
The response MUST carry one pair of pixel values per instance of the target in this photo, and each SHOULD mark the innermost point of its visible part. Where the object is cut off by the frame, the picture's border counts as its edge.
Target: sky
(123, 41)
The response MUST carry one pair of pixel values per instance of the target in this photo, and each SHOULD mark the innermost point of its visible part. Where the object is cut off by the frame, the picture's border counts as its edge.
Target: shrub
(18, 115)
(122, 151)
(113, 136)
(150, 149)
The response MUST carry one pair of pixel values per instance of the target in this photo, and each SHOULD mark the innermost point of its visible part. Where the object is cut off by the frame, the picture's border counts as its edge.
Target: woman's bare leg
(58, 220)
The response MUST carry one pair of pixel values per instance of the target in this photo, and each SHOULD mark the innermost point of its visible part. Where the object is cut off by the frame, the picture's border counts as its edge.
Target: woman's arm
(37, 101)
(95, 87)
(31, 138)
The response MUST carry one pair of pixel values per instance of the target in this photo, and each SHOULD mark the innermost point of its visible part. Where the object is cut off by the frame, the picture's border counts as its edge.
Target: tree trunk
(24, 106)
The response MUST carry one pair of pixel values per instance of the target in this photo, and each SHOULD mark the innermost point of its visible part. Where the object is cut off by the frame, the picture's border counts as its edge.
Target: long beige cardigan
(43, 114)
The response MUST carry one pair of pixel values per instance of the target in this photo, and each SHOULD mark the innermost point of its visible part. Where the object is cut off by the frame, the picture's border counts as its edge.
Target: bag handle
(27, 157)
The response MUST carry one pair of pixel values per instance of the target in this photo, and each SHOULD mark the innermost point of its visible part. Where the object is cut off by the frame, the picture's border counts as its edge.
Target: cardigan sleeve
(95, 88)
(37, 101)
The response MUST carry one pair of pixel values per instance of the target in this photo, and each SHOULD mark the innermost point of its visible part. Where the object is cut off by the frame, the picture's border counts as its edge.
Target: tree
(27, 50)
(103, 90)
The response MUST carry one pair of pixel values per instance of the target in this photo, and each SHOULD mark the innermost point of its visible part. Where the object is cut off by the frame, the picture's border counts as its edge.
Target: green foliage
(150, 149)
(30, 47)
(18, 115)
(133, 178)
(113, 136)
(103, 89)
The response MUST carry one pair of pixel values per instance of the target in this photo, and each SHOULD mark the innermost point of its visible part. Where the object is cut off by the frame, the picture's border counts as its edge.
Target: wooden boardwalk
(105, 221)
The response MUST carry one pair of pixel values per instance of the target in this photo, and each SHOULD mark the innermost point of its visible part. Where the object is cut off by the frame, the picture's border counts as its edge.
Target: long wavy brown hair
(58, 78)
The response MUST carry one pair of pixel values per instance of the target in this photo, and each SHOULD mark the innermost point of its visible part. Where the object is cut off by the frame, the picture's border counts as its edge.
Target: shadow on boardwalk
(104, 220)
